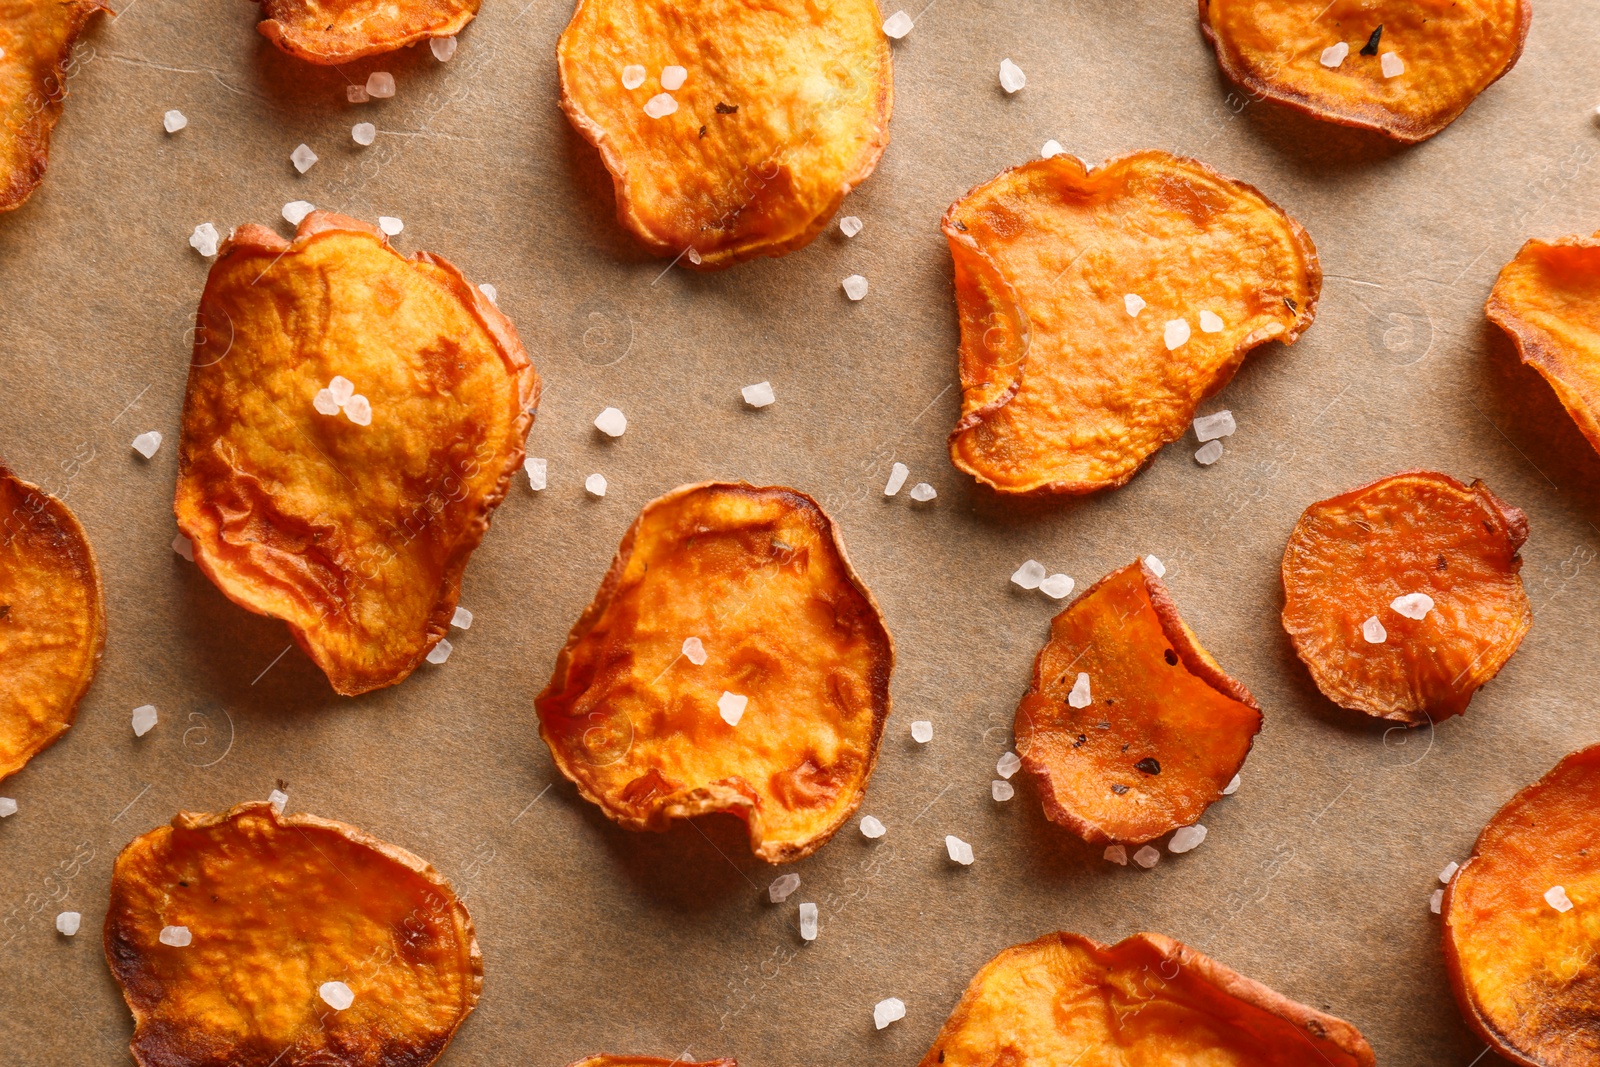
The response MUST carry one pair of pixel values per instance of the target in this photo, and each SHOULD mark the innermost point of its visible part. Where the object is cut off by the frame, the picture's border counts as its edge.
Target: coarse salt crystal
(1011, 76)
(694, 650)
(538, 470)
(922, 492)
(358, 409)
(758, 395)
(342, 389)
(356, 94)
(443, 48)
(205, 239)
(782, 886)
(303, 158)
(295, 210)
(808, 921)
(855, 287)
(1449, 871)
(1208, 453)
(897, 25)
(595, 484)
(175, 936)
(183, 547)
(1232, 786)
(1413, 605)
(1374, 632)
(1057, 586)
(1175, 333)
(1008, 764)
(1334, 54)
(147, 443)
(336, 995)
(1147, 857)
(1393, 66)
(278, 799)
(1002, 790)
(1436, 901)
(672, 78)
(462, 619)
(325, 403)
(611, 422)
(959, 850)
(1117, 854)
(849, 225)
(1215, 425)
(440, 652)
(144, 719)
(1157, 568)
(174, 120)
(897, 478)
(872, 828)
(391, 226)
(660, 106)
(922, 731)
(1134, 304)
(731, 706)
(1030, 575)
(491, 292)
(1050, 148)
(633, 76)
(888, 1011)
(68, 922)
(1210, 322)
(8, 807)
(363, 133)
(1185, 838)
(1079, 697)
(380, 85)
(1556, 897)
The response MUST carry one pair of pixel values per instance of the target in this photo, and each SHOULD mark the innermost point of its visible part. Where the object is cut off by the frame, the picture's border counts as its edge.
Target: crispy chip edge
(288, 39)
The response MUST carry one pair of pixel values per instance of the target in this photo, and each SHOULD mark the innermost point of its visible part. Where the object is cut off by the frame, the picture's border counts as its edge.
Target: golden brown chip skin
(1524, 973)
(1352, 556)
(356, 536)
(1165, 731)
(1068, 383)
(760, 577)
(36, 41)
(1450, 51)
(1145, 1000)
(275, 907)
(337, 31)
(52, 620)
(785, 109)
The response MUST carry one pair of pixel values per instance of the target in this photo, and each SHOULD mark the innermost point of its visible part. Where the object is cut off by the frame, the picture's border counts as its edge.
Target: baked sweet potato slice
(36, 41)
(780, 720)
(1548, 300)
(1099, 307)
(353, 532)
(52, 620)
(1451, 550)
(1407, 70)
(227, 932)
(783, 109)
(336, 31)
(1130, 728)
(1520, 934)
(1146, 1000)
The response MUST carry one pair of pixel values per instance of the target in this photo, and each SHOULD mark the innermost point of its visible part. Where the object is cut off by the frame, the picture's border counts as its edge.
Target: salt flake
(1147, 857)
(363, 133)
(731, 706)
(1157, 568)
(1334, 54)
(295, 210)
(8, 807)
(1079, 697)
(897, 25)
(1232, 786)
(342, 389)
(871, 828)
(1208, 453)
(849, 225)
(325, 403)
(888, 1011)
(1175, 333)
(205, 239)
(303, 158)
(1011, 76)
(595, 484)
(758, 395)
(808, 921)
(147, 443)
(391, 226)
(144, 719)
(897, 477)
(1030, 575)
(959, 850)
(278, 799)
(611, 422)
(441, 651)
(462, 619)
(1374, 632)
(1057, 586)
(672, 78)
(68, 922)
(1393, 66)
(538, 471)
(922, 731)
(922, 492)
(855, 287)
(1050, 148)
(1413, 605)
(1449, 871)
(1436, 901)
(380, 85)
(1008, 764)
(1117, 854)
(633, 76)
(183, 547)
(660, 106)
(694, 650)
(491, 292)
(782, 886)
(1185, 838)
(1556, 897)
(175, 936)
(443, 48)
(1215, 425)
(1210, 322)
(356, 94)
(336, 995)
(1134, 304)
(1002, 790)
(173, 121)
(358, 409)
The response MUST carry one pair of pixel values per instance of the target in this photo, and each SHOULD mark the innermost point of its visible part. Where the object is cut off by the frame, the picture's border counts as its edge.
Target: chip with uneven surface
(352, 525)
(1366, 554)
(231, 936)
(52, 620)
(1406, 69)
(1521, 956)
(1145, 1000)
(781, 722)
(1130, 728)
(337, 31)
(731, 130)
(1080, 294)
(36, 41)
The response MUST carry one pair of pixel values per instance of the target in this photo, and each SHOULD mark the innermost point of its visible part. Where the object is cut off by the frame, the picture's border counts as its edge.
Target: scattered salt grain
(440, 652)
(147, 443)
(849, 225)
(855, 287)
(1413, 605)
(1030, 575)
(1050, 148)
(491, 292)
(1011, 76)
(68, 922)
(303, 158)
(1057, 586)
(1134, 304)
(462, 619)
(183, 547)
(1436, 901)
(538, 469)
(758, 395)
(205, 239)
(731, 706)
(1232, 787)
(356, 94)
(1157, 568)
(443, 48)
(782, 886)
(380, 85)
(1002, 790)
(1117, 854)
(1449, 872)
(897, 25)
(872, 828)
(1185, 838)
(595, 484)
(1393, 66)
(897, 478)
(342, 389)
(922, 492)
(1556, 897)
(808, 922)
(8, 807)
(363, 133)
(1147, 857)
(1374, 632)
(1175, 333)
(144, 719)
(1208, 453)
(336, 995)
(611, 422)
(1210, 322)
(672, 78)
(694, 650)
(174, 120)
(1215, 425)
(391, 226)
(922, 731)
(325, 403)
(358, 409)
(660, 106)
(1007, 765)
(1335, 54)
(959, 850)
(278, 799)
(1079, 697)
(175, 936)
(295, 210)
(888, 1011)
(633, 76)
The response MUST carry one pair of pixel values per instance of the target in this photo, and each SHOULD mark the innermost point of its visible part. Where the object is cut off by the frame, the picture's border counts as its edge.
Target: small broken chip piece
(1519, 921)
(1064, 388)
(1548, 300)
(1361, 556)
(338, 31)
(790, 633)
(1130, 728)
(1342, 62)
(52, 620)
(1145, 1000)
(356, 535)
(222, 929)
(36, 41)
(794, 98)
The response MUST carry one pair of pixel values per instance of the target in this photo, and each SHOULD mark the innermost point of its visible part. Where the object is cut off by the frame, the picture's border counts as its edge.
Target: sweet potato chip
(1520, 933)
(1098, 308)
(1407, 70)
(780, 110)
(36, 39)
(237, 938)
(1548, 300)
(1146, 1000)
(52, 620)
(1402, 597)
(1130, 728)
(354, 525)
(732, 661)
(337, 31)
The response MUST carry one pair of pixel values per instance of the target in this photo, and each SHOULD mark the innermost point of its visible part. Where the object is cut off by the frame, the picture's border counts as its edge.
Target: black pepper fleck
(1102, 726)
(702, 131)
(1119, 789)
(5, 609)
(1082, 739)
(1371, 48)
(729, 109)
(1171, 657)
(1442, 564)
(1148, 765)
(1292, 306)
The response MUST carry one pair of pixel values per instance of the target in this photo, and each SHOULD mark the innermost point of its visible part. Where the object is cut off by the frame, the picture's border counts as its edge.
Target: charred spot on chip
(1353, 556)
(281, 905)
(1145, 1000)
(1052, 408)
(780, 725)
(39, 36)
(727, 109)
(353, 526)
(1435, 59)
(1199, 722)
(358, 27)
(1519, 938)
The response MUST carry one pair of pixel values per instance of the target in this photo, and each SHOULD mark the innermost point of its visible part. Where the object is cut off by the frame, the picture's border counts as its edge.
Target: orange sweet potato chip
(1130, 728)
(36, 39)
(227, 931)
(1548, 300)
(780, 721)
(1520, 934)
(337, 31)
(1146, 1000)
(1407, 70)
(354, 534)
(1099, 307)
(52, 620)
(1412, 543)
(782, 110)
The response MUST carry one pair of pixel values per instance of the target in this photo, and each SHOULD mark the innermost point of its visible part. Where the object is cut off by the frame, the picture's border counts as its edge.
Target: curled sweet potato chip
(778, 723)
(354, 534)
(783, 108)
(1520, 933)
(1146, 1000)
(36, 39)
(1548, 300)
(52, 620)
(1407, 70)
(337, 31)
(1130, 728)
(1368, 554)
(226, 931)
(1098, 308)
